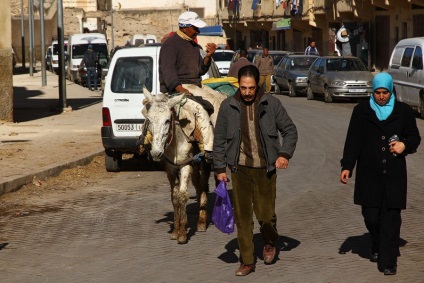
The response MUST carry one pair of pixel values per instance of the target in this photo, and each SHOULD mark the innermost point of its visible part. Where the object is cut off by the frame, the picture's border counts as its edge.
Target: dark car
(339, 77)
(292, 73)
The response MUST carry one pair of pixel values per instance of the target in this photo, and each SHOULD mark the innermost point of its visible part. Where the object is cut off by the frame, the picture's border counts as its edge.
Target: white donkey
(169, 143)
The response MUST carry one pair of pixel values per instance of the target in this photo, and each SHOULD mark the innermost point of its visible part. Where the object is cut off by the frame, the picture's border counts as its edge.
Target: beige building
(373, 27)
(6, 68)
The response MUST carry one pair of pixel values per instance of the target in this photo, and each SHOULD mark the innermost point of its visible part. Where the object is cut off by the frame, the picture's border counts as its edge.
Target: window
(407, 56)
(131, 74)
(316, 63)
(417, 62)
(321, 66)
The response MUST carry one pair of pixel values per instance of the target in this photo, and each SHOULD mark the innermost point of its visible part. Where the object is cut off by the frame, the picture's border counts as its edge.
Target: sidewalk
(43, 140)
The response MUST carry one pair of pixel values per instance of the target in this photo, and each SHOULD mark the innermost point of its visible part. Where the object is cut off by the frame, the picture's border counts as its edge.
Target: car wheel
(309, 93)
(292, 92)
(327, 96)
(113, 160)
(422, 106)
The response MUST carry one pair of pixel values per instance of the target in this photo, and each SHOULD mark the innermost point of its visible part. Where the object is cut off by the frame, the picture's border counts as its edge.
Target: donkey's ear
(147, 94)
(175, 100)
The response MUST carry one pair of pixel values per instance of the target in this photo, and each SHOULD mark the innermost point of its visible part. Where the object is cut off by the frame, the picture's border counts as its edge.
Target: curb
(54, 170)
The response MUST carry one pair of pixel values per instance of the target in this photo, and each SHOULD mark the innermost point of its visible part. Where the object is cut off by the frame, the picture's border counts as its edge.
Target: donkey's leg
(174, 182)
(196, 179)
(182, 197)
(203, 198)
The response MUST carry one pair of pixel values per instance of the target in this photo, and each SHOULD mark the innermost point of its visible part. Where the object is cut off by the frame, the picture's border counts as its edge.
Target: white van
(55, 54)
(140, 39)
(406, 68)
(78, 44)
(130, 69)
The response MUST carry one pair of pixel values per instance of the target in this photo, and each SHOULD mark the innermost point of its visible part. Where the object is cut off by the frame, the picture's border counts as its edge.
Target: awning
(211, 30)
(282, 24)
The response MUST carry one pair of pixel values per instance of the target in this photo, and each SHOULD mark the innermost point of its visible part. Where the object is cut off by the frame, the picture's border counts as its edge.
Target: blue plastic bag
(223, 215)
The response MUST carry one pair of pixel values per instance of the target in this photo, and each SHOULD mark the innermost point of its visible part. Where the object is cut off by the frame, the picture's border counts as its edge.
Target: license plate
(357, 90)
(128, 127)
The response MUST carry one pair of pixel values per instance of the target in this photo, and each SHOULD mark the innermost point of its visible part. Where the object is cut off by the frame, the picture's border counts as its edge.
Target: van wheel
(327, 95)
(113, 160)
(309, 93)
(422, 106)
(292, 92)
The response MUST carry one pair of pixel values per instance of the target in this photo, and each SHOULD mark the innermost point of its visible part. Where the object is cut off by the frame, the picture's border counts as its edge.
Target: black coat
(378, 172)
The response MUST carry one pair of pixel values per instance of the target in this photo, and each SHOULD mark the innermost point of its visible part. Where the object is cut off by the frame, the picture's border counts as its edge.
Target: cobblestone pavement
(117, 229)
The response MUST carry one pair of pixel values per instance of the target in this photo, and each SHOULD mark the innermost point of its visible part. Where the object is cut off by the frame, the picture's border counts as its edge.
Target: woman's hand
(344, 176)
(397, 147)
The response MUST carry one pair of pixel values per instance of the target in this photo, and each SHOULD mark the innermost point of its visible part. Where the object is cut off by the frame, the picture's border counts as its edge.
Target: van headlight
(337, 83)
(369, 83)
(301, 79)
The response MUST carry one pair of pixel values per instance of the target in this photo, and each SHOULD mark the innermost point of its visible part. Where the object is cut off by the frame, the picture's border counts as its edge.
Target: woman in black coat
(381, 133)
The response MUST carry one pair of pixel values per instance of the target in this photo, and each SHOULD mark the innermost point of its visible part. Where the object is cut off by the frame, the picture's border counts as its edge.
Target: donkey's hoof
(182, 240)
(174, 236)
(201, 227)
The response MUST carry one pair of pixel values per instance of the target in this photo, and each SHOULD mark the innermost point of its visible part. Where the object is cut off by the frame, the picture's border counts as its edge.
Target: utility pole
(22, 34)
(43, 47)
(111, 25)
(31, 35)
(62, 78)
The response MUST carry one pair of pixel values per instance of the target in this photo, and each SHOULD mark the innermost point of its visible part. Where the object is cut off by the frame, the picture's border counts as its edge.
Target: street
(87, 225)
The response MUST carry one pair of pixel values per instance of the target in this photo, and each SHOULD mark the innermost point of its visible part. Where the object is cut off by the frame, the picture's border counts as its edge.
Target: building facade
(371, 27)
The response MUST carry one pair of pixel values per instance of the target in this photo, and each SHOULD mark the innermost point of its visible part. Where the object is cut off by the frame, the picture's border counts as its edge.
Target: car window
(283, 62)
(321, 66)
(397, 56)
(345, 64)
(407, 56)
(222, 56)
(300, 63)
(315, 65)
(130, 74)
(417, 62)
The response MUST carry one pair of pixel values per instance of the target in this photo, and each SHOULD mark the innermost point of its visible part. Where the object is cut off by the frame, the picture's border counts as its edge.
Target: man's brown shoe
(245, 269)
(269, 253)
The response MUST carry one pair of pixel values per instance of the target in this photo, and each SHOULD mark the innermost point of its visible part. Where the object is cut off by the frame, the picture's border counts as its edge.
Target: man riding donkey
(181, 66)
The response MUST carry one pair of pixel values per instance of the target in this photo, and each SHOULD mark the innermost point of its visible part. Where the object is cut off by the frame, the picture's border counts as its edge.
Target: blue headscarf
(383, 80)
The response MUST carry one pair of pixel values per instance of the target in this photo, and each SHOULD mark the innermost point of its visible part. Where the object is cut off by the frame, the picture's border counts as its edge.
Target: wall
(6, 68)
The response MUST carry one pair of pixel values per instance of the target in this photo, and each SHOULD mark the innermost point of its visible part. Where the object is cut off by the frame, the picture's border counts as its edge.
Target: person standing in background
(311, 49)
(265, 65)
(236, 66)
(90, 62)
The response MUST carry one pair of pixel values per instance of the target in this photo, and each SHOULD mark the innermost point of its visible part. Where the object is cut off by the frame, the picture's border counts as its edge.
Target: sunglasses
(382, 92)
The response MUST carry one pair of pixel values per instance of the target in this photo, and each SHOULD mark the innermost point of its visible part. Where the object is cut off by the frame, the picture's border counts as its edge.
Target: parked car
(406, 68)
(222, 59)
(292, 73)
(250, 55)
(129, 70)
(339, 77)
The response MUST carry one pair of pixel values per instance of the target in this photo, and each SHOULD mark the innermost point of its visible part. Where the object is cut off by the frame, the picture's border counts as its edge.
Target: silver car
(339, 77)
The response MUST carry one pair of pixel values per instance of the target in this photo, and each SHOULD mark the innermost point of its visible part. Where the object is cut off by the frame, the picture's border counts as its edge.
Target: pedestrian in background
(311, 49)
(243, 144)
(381, 133)
(241, 62)
(265, 64)
(90, 62)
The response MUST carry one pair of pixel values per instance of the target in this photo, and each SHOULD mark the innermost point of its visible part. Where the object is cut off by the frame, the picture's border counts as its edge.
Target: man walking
(90, 62)
(243, 143)
(265, 65)
(311, 49)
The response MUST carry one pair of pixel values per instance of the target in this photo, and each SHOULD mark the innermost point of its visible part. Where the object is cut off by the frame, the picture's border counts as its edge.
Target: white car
(222, 59)
(130, 69)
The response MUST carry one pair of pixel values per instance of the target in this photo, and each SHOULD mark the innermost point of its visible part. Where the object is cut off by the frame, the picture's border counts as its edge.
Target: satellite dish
(342, 35)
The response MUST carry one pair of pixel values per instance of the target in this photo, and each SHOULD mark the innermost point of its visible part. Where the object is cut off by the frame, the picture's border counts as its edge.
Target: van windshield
(79, 49)
(130, 74)
(56, 48)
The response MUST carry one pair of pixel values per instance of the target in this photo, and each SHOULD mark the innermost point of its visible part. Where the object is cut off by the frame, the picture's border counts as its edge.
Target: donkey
(170, 144)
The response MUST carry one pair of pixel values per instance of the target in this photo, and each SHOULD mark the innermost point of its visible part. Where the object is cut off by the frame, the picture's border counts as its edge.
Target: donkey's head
(159, 115)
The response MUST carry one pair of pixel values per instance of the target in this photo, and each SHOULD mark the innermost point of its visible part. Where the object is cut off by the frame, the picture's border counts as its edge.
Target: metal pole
(22, 34)
(62, 82)
(43, 47)
(111, 25)
(31, 58)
